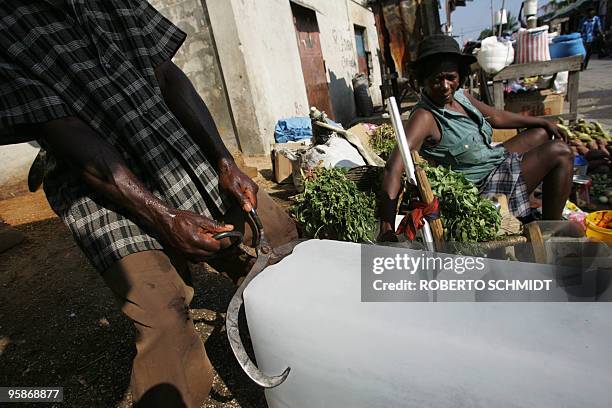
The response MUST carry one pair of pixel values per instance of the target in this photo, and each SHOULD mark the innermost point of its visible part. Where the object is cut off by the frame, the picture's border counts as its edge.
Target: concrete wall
(261, 66)
(362, 16)
(198, 59)
(243, 58)
(15, 162)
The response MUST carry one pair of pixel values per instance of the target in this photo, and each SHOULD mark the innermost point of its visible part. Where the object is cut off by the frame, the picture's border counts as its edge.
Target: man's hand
(104, 170)
(554, 132)
(234, 181)
(191, 234)
(386, 233)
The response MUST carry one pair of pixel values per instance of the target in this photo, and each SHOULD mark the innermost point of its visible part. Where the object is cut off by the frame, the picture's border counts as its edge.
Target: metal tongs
(265, 256)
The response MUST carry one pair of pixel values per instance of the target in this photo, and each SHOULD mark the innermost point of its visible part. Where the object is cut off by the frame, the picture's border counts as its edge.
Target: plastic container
(581, 190)
(566, 37)
(363, 101)
(580, 165)
(530, 7)
(501, 17)
(567, 45)
(567, 49)
(595, 232)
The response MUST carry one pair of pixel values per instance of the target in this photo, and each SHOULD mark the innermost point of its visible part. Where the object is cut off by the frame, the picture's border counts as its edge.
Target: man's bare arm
(189, 108)
(420, 126)
(500, 119)
(102, 167)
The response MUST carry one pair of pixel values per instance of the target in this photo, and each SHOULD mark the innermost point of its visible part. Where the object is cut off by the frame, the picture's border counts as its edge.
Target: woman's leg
(527, 140)
(552, 163)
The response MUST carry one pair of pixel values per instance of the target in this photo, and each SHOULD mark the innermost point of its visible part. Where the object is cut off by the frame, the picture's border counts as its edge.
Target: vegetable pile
(382, 140)
(331, 207)
(466, 216)
(604, 220)
(590, 140)
(602, 188)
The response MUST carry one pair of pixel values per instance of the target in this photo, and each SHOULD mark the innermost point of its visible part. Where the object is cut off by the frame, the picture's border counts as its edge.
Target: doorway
(362, 53)
(311, 57)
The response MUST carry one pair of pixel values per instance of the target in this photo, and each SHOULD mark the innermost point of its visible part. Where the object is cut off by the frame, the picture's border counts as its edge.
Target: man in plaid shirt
(135, 167)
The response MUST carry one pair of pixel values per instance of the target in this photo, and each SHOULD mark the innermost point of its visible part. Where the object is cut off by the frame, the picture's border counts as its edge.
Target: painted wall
(243, 58)
(198, 59)
(272, 68)
(360, 15)
(272, 64)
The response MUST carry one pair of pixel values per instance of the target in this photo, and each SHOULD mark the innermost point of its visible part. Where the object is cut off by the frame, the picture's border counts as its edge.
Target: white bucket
(501, 17)
(530, 7)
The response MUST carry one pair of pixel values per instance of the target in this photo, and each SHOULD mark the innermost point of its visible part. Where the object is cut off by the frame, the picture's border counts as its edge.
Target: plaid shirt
(95, 59)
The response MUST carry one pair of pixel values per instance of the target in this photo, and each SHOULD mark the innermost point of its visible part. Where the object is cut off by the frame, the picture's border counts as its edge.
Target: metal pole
(402, 143)
(501, 18)
(492, 18)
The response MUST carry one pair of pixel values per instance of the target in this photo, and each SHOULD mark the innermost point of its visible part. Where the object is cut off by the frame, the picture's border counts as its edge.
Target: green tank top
(465, 145)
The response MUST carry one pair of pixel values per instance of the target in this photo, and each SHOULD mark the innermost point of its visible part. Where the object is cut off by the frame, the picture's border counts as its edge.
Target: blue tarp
(292, 129)
(296, 128)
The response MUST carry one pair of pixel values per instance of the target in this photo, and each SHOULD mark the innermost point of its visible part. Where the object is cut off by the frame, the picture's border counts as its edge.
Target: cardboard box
(535, 103)
(282, 168)
(501, 135)
(281, 165)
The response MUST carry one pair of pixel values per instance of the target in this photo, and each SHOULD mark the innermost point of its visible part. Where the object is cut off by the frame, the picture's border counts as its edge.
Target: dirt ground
(60, 326)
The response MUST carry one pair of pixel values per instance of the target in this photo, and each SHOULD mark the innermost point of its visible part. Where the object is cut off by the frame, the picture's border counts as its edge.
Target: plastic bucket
(569, 48)
(598, 233)
(566, 37)
(580, 165)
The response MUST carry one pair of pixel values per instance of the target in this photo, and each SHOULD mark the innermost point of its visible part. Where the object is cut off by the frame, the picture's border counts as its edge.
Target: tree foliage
(511, 26)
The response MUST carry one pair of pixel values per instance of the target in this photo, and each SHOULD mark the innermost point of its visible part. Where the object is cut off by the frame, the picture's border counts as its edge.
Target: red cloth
(414, 220)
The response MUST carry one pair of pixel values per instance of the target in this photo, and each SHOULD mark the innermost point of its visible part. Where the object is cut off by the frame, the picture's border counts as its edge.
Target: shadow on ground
(60, 326)
(59, 323)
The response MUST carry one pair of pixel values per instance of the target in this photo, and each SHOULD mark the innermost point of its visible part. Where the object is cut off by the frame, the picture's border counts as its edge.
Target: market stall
(552, 67)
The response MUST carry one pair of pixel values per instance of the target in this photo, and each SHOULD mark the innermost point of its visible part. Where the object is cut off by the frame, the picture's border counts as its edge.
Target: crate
(502, 135)
(535, 103)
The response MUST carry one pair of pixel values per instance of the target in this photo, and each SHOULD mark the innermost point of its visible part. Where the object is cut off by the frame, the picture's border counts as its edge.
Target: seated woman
(454, 129)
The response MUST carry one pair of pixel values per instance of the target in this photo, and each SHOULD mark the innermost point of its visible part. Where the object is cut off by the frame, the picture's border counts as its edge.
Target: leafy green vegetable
(382, 141)
(466, 216)
(602, 185)
(332, 207)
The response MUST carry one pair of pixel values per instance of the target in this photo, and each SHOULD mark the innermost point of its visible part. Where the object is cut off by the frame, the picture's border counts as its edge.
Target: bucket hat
(440, 44)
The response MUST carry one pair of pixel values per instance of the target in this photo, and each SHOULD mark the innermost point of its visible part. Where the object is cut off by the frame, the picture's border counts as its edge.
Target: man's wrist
(156, 213)
(540, 122)
(226, 164)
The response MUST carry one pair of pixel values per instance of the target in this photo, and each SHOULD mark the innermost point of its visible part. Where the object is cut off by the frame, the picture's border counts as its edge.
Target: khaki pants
(171, 368)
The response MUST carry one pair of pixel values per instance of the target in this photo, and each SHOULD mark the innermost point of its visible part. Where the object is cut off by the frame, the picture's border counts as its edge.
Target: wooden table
(552, 67)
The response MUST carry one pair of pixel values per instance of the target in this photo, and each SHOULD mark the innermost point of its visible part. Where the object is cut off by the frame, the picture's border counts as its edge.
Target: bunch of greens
(466, 216)
(382, 141)
(331, 207)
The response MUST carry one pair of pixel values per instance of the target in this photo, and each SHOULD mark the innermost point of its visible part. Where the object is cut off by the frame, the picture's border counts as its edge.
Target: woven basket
(367, 178)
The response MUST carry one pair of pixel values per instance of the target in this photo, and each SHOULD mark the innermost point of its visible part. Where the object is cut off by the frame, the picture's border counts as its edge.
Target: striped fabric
(95, 59)
(532, 45)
